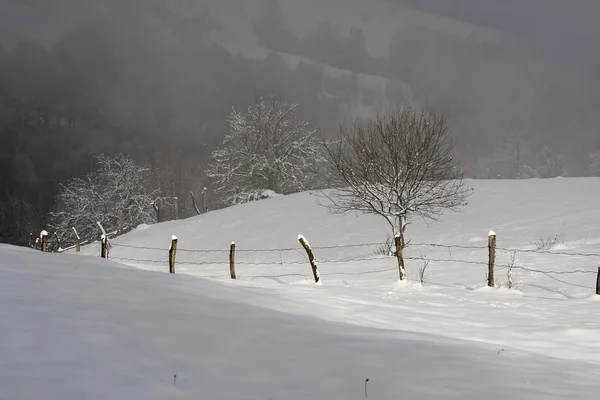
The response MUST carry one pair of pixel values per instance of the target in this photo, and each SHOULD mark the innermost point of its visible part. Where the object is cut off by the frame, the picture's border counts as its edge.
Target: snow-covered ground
(76, 326)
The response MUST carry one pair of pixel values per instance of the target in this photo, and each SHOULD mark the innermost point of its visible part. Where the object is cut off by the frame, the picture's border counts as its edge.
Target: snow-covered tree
(266, 150)
(594, 163)
(398, 165)
(116, 195)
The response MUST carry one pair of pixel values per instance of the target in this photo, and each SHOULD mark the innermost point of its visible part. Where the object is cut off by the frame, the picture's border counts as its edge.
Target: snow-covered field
(76, 326)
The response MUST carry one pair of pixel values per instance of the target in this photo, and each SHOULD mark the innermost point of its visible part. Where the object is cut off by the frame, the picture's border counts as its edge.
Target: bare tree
(397, 165)
(265, 150)
(116, 195)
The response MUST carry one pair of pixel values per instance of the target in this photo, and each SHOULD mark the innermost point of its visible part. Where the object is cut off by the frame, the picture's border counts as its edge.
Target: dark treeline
(136, 78)
(80, 78)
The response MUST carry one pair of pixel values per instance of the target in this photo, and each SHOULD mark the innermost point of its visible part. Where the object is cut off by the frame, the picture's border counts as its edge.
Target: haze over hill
(156, 79)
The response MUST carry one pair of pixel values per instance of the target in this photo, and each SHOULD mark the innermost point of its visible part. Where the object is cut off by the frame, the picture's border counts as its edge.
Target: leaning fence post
(598, 282)
(194, 203)
(77, 241)
(491, 257)
(232, 260)
(172, 252)
(311, 257)
(44, 240)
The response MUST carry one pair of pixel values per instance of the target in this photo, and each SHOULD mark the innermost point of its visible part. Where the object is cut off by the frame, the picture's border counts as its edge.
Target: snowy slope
(553, 313)
(85, 328)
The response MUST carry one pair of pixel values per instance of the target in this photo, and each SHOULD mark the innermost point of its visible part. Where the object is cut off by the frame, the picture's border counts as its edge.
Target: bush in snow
(116, 194)
(265, 151)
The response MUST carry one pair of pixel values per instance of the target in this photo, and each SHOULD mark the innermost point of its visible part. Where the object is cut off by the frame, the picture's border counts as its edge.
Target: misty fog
(156, 79)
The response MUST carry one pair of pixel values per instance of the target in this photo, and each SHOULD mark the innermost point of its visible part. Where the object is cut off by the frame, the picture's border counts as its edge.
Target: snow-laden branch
(265, 149)
(116, 195)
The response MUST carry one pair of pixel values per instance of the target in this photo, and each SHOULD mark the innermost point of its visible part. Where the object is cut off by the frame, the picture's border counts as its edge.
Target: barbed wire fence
(291, 262)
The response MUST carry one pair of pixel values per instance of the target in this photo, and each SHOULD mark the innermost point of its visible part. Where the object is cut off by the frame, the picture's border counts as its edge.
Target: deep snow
(81, 327)
(451, 338)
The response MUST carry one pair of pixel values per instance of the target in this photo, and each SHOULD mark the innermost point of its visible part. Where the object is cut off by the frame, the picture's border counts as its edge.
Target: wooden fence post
(491, 257)
(77, 241)
(31, 244)
(203, 199)
(311, 257)
(172, 252)
(400, 256)
(157, 210)
(176, 207)
(103, 250)
(58, 242)
(44, 240)
(232, 261)
(598, 282)
(104, 241)
(194, 203)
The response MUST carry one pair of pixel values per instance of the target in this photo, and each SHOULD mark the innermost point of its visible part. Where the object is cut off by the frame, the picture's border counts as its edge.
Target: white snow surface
(554, 314)
(75, 326)
(82, 327)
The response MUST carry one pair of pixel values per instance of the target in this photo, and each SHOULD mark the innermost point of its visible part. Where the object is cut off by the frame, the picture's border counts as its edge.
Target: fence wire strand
(552, 274)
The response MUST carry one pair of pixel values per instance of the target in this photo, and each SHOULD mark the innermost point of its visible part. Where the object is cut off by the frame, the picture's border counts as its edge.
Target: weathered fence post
(194, 203)
(311, 257)
(203, 199)
(491, 257)
(598, 282)
(44, 241)
(400, 256)
(58, 242)
(172, 252)
(104, 241)
(232, 260)
(77, 241)
(103, 246)
(157, 210)
(176, 207)
(31, 244)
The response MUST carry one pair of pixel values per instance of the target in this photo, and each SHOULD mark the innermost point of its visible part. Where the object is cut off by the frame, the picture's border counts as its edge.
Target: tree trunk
(399, 242)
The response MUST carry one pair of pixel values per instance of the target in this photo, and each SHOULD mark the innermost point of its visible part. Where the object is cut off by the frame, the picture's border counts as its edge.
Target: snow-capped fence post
(311, 257)
(103, 241)
(232, 261)
(400, 256)
(172, 252)
(77, 241)
(44, 240)
(31, 240)
(598, 282)
(491, 257)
